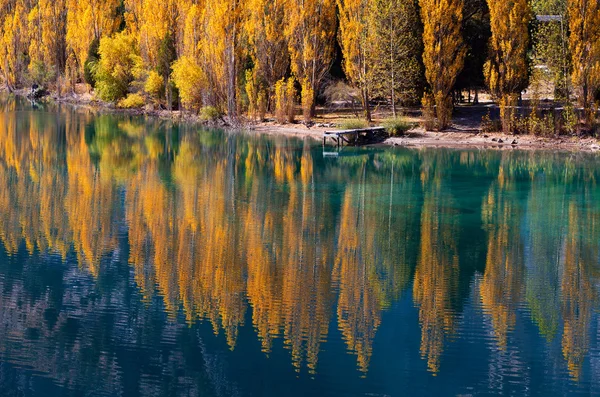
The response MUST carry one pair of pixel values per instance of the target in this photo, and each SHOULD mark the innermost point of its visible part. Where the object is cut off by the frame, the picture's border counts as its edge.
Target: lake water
(142, 258)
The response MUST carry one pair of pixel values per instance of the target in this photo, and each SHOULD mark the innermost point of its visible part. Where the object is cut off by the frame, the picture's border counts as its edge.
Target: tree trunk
(366, 105)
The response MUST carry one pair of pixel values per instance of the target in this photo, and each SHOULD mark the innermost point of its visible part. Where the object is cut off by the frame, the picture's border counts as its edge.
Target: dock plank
(342, 136)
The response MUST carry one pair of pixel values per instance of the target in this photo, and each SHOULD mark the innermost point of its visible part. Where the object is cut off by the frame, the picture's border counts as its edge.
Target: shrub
(40, 73)
(489, 125)
(396, 126)
(155, 86)
(285, 94)
(569, 119)
(190, 80)
(308, 97)
(353, 124)
(209, 113)
(543, 126)
(257, 104)
(132, 101)
(119, 65)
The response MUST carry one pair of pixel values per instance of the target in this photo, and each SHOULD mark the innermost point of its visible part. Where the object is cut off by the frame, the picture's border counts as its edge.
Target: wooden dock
(351, 137)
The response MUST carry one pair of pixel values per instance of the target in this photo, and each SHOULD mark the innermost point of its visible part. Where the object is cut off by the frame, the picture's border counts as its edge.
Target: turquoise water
(143, 258)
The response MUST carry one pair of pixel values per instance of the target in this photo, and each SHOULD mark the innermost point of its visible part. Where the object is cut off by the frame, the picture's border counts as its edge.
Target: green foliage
(132, 101)
(91, 62)
(536, 125)
(167, 54)
(397, 52)
(569, 119)
(396, 126)
(40, 73)
(353, 124)
(209, 113)
(119, 65)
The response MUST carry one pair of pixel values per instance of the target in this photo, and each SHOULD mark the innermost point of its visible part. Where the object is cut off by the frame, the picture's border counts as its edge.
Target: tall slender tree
(89, 20)
(357, 43)
(584, 44)
(506, 71)
(310, 32)
(398, 49)
(443, 54)
(264, 26)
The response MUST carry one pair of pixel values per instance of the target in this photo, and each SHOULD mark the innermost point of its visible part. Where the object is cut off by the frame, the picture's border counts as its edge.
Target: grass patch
(396, 126)
(354, 124)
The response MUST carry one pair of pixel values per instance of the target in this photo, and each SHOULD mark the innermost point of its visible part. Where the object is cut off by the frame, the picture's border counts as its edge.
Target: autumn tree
(357, 43)
(88, 21)
(46, 27)
(506, 71)
(221, 48)
(443, 54)
(398, 49)
(119, 65)
(13, 44)
(584, 44)
(190, 79)
(310, 32)
(264, 25)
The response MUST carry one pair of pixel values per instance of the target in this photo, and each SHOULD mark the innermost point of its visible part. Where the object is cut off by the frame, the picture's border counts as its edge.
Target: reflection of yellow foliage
(578, 291)
(436, 276)
(501, 289)
(359, 306)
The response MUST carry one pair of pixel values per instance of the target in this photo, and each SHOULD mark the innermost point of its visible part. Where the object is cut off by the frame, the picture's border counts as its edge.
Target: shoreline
(415, 138)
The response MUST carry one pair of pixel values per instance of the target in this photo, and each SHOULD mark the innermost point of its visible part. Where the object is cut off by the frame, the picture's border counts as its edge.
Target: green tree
(398, 71)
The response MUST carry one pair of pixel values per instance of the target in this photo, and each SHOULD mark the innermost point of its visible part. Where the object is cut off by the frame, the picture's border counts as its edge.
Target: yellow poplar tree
(46, 23)
(357, 46)
(13, 44)
(264, 27)
(310, 32)
(222, 49)
(584, 43)
(443, 53)
(506, 70)
(88, 20)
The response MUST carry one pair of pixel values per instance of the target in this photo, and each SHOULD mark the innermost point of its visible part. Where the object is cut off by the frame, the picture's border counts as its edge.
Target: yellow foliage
(308, 98)
(358, 47)
(88, 20)
(584, 43)
(265, 24)
(119, 65)
(506, 70)
(310, 32)
(443, 52)
(13, 45)
(190, 79)
(154, 85)
(132, 101)
(256, 96)
(285, 94)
